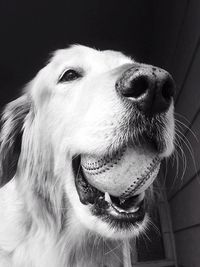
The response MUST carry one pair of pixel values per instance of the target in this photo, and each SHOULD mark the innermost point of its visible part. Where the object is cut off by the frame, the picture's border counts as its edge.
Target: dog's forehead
(83, 56)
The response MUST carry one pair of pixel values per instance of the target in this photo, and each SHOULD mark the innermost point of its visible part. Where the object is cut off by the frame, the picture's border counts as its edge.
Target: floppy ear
(11, 131)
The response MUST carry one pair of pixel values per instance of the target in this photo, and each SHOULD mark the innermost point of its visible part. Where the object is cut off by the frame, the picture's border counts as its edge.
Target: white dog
(83, 101)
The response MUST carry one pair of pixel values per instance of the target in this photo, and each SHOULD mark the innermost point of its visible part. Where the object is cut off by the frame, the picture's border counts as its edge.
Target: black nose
(151, 88)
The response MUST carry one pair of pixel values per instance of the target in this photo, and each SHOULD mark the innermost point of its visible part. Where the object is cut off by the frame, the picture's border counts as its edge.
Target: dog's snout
(150, 87)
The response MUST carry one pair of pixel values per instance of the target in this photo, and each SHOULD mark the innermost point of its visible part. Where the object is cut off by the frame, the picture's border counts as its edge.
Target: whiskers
(184, 151)
(105, 251)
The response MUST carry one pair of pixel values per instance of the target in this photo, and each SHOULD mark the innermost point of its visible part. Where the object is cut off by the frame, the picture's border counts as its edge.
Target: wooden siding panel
(188, 248)
(189, 100)
(187, 42)
(185, 208)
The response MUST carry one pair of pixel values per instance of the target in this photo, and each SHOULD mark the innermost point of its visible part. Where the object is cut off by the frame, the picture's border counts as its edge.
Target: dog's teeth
(107, 197)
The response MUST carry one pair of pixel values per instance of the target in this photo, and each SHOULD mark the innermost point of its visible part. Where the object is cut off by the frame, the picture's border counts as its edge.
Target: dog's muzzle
(151, 89)
(147, 93)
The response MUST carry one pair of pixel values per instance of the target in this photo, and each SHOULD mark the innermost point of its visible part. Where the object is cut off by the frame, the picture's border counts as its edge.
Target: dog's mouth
(119, 213)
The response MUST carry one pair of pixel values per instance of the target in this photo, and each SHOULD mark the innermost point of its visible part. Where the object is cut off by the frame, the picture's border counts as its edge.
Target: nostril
(138, 87)
(168, 90)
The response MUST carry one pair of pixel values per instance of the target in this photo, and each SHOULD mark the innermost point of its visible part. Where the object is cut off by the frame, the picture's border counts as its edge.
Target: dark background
(165, 33)
(30, 30)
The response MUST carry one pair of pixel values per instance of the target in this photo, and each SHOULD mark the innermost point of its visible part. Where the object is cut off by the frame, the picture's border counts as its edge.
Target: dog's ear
(12, 122)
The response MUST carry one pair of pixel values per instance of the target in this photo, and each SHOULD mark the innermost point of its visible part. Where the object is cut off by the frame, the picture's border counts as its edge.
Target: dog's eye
(70, 75)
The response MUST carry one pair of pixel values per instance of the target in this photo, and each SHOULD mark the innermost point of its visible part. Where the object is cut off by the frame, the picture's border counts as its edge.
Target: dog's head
(87, 102)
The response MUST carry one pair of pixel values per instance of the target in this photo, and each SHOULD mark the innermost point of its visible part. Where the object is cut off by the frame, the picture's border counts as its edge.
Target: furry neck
(60, 240)
(87, 249)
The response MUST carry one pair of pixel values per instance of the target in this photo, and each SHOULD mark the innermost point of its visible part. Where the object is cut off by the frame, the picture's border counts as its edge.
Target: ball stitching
(94, 168)
(143, 179)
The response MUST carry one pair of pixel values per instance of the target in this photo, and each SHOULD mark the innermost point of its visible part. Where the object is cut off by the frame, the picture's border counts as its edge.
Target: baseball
(125, 174)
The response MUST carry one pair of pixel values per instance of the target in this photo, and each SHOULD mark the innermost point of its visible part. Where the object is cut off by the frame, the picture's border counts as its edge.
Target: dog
(84, 101)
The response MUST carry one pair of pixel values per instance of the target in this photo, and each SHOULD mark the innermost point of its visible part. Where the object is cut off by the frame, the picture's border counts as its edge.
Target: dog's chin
(105, 214)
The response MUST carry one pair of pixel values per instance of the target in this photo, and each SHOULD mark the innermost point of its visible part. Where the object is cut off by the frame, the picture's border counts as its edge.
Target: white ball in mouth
(125, 174)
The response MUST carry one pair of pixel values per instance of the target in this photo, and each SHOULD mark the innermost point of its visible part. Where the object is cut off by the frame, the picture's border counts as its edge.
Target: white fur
(43, 222)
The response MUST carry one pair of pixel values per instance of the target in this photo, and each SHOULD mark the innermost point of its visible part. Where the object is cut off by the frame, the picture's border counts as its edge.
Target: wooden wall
(176, 47)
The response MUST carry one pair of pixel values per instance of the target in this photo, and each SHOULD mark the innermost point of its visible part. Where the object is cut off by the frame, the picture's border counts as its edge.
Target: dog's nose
(151, 88)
